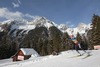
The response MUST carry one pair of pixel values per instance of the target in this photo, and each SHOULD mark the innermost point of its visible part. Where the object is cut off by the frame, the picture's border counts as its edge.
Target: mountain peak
(42, 21)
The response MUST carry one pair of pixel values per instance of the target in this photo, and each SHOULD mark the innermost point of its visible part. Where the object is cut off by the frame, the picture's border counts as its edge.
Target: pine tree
(78, 37)
(56, 36)
(88, 39)
(95, 30)
(81, 41)
(66, 42)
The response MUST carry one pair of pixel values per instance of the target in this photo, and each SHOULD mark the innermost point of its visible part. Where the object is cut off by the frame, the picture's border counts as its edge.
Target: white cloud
(5, 13)
(30, 16)
(72, 25)
(19, 2)
(16, 4)
(69, 23)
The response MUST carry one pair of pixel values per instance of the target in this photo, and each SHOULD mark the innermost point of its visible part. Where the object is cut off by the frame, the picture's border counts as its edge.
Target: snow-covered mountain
(62, 27)
(28, 25)
(42, 21)
(25, 26)
(81, 28)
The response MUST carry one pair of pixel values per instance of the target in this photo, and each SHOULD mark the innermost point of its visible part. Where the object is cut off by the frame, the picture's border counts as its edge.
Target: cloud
(17, 4)
(5, 13)
(69, 24)
(72, 25)
(30, 16)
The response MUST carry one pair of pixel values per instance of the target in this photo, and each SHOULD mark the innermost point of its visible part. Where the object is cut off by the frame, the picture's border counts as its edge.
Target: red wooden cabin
(24, 53)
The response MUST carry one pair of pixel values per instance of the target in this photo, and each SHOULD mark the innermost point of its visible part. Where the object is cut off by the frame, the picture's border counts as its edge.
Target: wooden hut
(24, 53)
(97, 47)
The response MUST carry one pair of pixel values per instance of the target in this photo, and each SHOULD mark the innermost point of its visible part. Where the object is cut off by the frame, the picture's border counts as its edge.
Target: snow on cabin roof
(29, 51)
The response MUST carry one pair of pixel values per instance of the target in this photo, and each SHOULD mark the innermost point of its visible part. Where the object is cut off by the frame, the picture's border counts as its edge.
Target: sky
(69, 12)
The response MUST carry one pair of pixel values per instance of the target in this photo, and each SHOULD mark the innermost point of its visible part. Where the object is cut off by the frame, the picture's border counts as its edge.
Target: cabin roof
(29, 51)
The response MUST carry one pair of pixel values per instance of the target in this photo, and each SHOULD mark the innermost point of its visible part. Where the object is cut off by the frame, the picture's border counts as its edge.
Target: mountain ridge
(42, 21)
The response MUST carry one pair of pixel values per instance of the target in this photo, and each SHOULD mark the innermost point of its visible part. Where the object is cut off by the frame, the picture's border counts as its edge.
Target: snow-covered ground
(64, 59)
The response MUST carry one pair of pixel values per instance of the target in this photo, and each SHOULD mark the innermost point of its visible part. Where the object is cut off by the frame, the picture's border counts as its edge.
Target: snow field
(64, 59)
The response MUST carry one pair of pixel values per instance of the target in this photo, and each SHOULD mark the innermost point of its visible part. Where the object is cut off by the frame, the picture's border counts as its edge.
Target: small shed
(97, 47)
(24, 53)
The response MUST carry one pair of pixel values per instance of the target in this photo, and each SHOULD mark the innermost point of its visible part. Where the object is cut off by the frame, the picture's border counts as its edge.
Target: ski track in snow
(62, 60)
